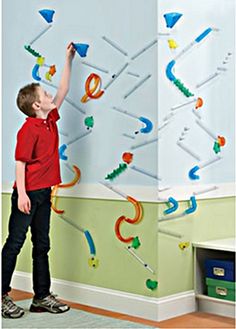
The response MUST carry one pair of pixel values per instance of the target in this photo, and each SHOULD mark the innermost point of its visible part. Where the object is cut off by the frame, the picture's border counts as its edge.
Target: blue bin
(220, 269)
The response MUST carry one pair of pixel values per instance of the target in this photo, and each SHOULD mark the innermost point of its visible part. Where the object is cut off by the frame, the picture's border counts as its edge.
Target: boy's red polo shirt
(37, 145)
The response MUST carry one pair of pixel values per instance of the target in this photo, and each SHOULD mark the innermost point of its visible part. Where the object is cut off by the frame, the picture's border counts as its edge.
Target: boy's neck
(42, 115)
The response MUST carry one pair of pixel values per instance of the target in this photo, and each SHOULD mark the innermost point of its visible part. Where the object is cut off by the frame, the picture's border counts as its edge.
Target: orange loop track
(90, 91)
(70, 184)
(135, 220)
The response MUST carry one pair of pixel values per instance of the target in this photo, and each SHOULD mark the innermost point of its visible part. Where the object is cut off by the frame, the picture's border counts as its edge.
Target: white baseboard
(216, 306)
(156, 309)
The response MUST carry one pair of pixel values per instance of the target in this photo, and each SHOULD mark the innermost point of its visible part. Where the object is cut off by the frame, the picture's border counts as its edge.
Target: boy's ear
(36, 106)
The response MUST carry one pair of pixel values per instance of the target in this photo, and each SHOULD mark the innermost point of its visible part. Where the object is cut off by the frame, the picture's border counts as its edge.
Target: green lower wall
(117, 268)
(214, 219)
(70, 253)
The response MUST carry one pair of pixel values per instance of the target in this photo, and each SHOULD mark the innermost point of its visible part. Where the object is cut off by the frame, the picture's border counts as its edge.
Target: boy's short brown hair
(26, 97)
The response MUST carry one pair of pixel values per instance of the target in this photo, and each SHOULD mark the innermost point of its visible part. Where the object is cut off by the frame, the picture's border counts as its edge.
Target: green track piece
(32, 51)
(182, 88)
(122, 167)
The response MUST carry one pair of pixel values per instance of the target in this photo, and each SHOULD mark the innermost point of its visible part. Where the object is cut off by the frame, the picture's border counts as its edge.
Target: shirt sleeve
(25, 144)
(54, 115)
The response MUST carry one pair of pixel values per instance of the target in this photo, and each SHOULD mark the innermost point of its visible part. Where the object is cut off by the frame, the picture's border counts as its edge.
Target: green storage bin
(221, 289)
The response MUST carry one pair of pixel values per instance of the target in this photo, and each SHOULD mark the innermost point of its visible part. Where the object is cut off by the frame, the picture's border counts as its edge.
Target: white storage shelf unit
(216, 249)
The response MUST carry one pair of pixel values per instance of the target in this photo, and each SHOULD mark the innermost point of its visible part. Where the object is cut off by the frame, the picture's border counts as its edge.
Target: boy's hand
(70, 52)
(24, 204)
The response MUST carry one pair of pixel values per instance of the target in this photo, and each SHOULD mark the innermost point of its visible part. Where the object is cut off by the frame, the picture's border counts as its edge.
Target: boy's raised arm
(65, 78)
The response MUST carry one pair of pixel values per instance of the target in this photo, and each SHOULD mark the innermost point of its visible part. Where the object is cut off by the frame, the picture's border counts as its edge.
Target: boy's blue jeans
(39, 222)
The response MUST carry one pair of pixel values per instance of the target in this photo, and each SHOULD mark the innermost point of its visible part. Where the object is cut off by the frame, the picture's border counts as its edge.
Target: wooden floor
(192, 320)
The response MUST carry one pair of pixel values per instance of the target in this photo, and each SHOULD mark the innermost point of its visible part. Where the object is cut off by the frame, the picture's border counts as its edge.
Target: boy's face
(45, 100)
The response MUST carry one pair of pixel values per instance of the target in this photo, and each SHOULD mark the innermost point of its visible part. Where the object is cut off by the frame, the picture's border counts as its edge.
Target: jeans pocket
(14, 195)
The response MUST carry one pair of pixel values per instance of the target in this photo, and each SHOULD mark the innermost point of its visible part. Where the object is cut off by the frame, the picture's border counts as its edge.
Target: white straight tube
(209, 162)
(115, 45)
(40, 34)
(173, 234)
(206, 129)
(141, 51)
(131, 251)
(69, 221)
(190, 152)
(124, 112)
(211, 77)
(114, 189)
(137, 86)
(189, 46)
(142, 171)
(196, 113)
(133, 74)
(79, 137)
(206, 190)
(144, 143)
(129, 136)
(95, 67)
(115, 76)
(177, 107)
(163, 125)
(168, 218)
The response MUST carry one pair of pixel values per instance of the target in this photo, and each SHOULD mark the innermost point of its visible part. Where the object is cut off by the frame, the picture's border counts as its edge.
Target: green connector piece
(136, 243)
(151, 284)
(89, 122)
(216, 147)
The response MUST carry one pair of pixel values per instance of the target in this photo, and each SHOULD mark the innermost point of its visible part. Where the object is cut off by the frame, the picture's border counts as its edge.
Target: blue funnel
(172, 19)
(81, 48)
(47, 14)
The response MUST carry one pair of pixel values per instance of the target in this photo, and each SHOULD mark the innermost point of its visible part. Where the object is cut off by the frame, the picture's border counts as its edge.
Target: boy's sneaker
(48, 304)
(9, 309)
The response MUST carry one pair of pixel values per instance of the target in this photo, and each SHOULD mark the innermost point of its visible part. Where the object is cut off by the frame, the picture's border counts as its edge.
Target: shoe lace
(52, 301)
(8, 305)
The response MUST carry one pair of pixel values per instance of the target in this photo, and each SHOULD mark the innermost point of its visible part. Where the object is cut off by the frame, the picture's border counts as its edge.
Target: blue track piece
(171, 19)
(90, 242)
(47, 14)
(62, 149)
(35, 73)
(203, 35)
(81, 48)
(169, 73)
(173, 208)
(192, 172)
(193, 207)
(148, 124)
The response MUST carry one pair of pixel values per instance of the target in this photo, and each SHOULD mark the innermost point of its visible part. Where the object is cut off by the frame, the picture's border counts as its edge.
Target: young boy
(37, 169)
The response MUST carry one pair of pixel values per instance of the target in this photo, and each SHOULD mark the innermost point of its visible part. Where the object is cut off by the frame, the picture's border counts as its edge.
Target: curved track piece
(148, 125)
(35, 71)
(135, 220)
(192, 173)
(90, 242)
(191, 209)
(173, 208)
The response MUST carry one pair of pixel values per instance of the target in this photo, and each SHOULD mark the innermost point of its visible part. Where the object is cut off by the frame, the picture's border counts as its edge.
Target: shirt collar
(38, 121)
